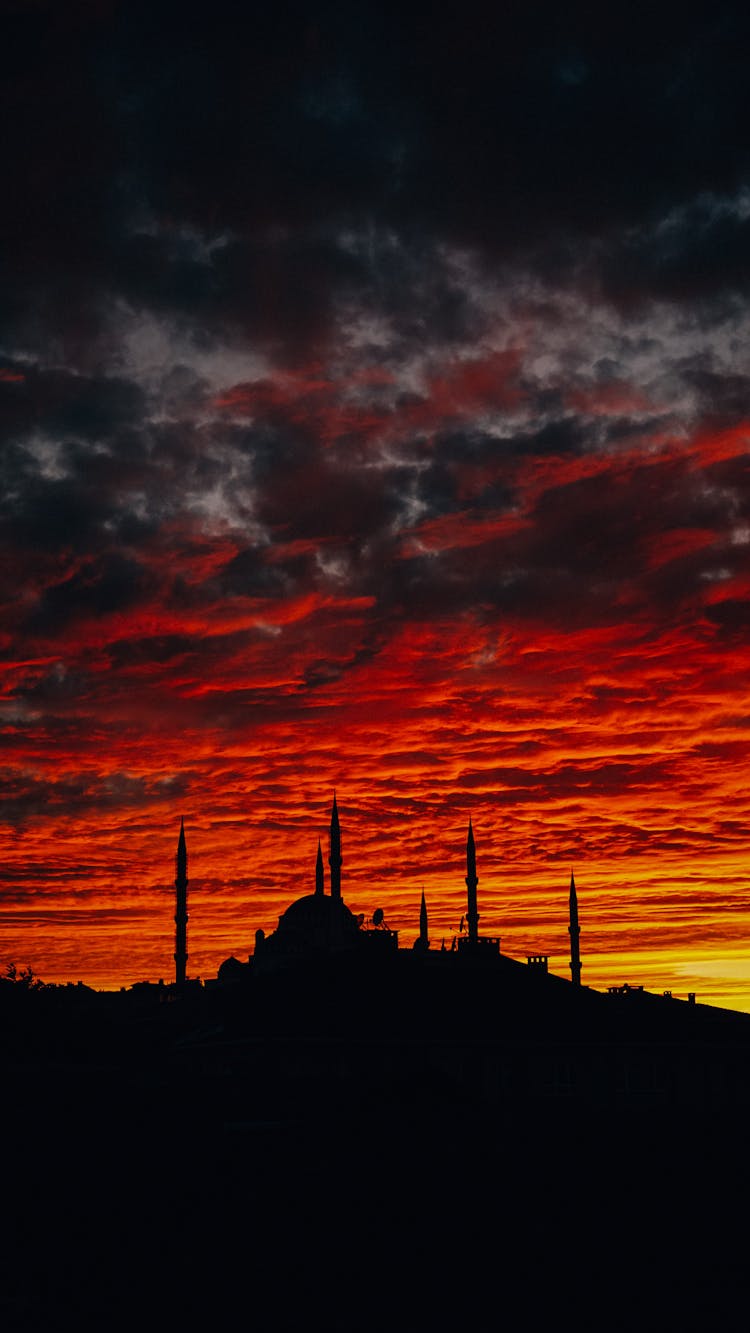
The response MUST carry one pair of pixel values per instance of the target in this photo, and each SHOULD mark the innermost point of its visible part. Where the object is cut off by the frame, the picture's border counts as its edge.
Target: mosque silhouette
(321, 926)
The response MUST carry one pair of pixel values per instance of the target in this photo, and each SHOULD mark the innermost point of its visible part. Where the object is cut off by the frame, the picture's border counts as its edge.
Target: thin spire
(423, 937)
(181, 912)
(319, 874)
(574, 932)
(471, 887)
(334, 857)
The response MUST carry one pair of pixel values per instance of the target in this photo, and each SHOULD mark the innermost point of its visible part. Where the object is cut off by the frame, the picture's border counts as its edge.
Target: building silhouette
(320, 926)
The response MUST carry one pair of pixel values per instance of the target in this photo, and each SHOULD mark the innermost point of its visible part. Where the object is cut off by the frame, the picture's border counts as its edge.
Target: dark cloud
(52, 687)
(569, 778)
(55, 513)
(25, 797)
(248, 574)
(500, 128)
(97, 588)
(66, 406)
(731, 615)
(722, 398)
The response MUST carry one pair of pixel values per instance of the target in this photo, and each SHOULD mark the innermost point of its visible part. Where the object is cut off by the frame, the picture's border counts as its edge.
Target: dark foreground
(146, 1187)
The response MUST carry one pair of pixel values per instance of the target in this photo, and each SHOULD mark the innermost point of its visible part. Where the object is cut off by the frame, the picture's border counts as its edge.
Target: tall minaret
(319, 880)
(574, 931)
(472, 914)
(181, 914)
(424, 942)
(334, 859)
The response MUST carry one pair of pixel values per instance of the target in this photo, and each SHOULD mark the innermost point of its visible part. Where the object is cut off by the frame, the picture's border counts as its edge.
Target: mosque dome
(316, 921)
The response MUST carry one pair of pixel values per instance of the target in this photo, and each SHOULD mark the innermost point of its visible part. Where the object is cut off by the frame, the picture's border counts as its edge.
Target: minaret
(181, 914)
(319, 880)
(334, 859)
(424, 942)
(574, 931)
(471, 888)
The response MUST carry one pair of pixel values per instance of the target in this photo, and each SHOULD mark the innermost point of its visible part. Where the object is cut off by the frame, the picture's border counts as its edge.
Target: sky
(375, 412)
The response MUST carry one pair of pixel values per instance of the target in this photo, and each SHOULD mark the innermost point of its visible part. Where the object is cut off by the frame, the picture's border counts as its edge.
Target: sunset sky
(375, 408)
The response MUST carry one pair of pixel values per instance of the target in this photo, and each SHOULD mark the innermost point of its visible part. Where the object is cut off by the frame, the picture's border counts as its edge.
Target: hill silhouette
(339, 1146)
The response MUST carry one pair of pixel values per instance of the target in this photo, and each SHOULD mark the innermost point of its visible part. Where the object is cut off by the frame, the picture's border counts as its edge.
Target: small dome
(231, 969)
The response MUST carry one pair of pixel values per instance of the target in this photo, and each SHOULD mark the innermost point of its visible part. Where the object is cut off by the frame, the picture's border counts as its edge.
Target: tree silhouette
(25, 977)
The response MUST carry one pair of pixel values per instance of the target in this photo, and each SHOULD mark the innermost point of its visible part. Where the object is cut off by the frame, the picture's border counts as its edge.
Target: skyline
(374, 407)
(210, 910)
